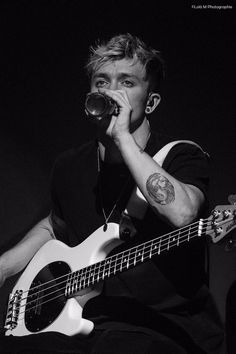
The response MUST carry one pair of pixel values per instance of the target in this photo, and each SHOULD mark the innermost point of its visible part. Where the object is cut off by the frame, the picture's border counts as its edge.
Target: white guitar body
(94, 249)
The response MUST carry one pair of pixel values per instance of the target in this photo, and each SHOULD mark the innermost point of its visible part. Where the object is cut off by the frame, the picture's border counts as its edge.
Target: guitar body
(55, 260)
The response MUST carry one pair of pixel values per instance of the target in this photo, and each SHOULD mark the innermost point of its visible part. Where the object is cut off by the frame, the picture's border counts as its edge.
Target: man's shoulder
(176, 150)
(160, 140)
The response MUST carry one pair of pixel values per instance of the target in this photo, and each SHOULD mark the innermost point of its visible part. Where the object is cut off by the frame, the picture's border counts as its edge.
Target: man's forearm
(15, 259)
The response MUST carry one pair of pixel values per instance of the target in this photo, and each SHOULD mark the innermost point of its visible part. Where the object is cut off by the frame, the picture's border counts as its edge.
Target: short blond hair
(129, 47)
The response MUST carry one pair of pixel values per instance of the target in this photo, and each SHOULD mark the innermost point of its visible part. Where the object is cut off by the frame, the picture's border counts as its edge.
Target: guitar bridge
(13, 310)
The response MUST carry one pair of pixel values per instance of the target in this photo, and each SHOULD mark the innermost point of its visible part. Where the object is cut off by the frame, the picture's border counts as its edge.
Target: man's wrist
(123, 140)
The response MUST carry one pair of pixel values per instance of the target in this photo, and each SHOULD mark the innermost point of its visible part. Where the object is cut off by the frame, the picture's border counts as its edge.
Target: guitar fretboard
(130, 258)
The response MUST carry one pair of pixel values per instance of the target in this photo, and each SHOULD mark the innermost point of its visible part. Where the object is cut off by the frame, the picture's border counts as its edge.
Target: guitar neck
(131, 257)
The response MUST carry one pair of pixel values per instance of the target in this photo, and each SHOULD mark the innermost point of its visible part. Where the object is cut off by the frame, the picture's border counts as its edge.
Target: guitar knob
(216, 214)
(226, 214)
(218, 231)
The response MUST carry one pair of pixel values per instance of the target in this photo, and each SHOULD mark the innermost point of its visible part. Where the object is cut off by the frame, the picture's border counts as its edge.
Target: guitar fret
(135, 256)
(178, 238)
(114, 272)
(121, 264)
(81, 279)
(89, 276)
(86, 277)
(109, 268)
(143, 253)
(93, 274)
(126, 260)
(127, 265)
(103, 269)
(150, 253)
(106, 268)
(98, 278)
(66, 287)
(139, 254)
(159, 246)
(189, 232)
(154, 246)
(74, 282)
(168, 244)
(174, 240)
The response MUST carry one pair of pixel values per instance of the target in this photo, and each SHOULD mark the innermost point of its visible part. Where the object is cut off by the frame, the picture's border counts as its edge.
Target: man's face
(128, 76)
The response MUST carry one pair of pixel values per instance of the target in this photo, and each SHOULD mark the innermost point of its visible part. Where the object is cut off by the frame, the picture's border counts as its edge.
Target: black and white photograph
(117, 177)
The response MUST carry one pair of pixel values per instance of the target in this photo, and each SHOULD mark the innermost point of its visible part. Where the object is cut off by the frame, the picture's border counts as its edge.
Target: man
(162, 306)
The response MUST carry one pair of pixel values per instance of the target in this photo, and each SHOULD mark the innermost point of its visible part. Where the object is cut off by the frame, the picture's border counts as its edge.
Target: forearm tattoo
(160, 189)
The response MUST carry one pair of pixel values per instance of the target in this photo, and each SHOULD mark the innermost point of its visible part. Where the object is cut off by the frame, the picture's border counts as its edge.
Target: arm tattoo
(160, 189)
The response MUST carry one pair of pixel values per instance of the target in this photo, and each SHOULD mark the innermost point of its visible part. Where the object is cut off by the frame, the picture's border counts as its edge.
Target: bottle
(99, 105)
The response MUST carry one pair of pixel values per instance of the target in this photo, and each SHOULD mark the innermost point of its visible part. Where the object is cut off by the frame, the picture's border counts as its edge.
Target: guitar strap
(137, 204)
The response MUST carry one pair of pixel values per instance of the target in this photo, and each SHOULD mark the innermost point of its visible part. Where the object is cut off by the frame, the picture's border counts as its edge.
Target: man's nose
(113, 86)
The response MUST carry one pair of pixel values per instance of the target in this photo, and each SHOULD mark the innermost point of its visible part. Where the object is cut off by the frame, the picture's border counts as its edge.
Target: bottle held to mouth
(99, 105)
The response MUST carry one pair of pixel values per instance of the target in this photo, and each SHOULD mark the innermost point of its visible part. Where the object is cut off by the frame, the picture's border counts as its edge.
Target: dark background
(44, 46)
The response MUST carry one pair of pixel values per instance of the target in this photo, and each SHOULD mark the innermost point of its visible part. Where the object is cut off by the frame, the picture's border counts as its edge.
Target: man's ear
(152, 102)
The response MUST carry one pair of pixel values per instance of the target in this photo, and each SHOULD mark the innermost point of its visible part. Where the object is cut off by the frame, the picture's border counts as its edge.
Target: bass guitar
(53, 289)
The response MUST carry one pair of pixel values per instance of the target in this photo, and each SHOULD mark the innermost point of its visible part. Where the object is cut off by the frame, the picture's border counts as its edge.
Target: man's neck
(109, 151)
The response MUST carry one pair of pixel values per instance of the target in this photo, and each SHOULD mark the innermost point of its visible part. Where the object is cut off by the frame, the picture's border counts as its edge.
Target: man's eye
(100, 83)
(128, 83)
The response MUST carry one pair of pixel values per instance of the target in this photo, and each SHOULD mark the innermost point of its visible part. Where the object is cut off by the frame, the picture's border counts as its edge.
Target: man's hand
(119, 125)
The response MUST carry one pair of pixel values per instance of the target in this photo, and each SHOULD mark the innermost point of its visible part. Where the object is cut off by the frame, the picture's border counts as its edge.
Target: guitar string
(144, 255)
(114, 258)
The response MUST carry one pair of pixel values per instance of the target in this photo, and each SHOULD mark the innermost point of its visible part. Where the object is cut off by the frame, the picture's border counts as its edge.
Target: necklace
(107, 217)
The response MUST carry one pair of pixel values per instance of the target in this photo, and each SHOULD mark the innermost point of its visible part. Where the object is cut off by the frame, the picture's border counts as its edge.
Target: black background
(44, 47)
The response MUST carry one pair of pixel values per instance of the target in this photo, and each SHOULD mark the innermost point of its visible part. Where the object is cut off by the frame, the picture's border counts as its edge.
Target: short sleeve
(189, 164)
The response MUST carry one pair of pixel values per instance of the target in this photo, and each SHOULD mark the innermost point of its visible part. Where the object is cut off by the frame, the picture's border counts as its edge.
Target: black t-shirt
(172, 284)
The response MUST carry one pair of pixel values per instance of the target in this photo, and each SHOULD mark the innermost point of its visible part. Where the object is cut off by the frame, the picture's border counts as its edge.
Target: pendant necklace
(107, 217)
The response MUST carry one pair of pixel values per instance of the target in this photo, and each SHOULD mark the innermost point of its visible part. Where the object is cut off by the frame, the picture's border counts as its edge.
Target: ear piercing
(148, 110)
